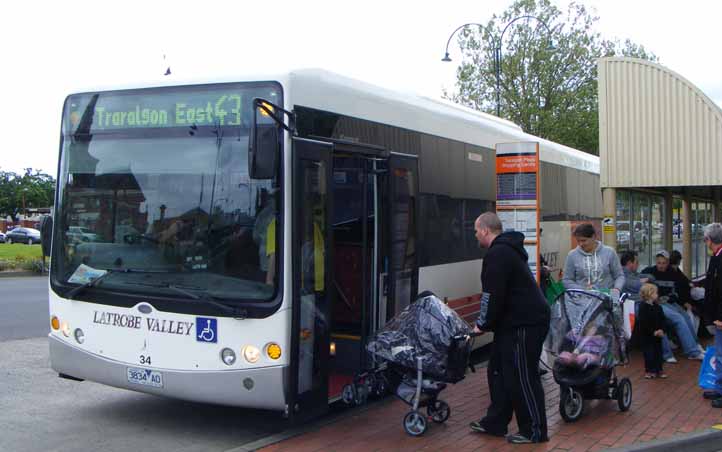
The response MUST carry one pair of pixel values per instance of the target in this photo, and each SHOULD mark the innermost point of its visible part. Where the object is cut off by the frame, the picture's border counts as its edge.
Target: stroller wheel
(362, 394)
(624, 394)
(439, 411)
(381, 387)
(414, 423)
(348, 394)
(371, 381)
(571, 404)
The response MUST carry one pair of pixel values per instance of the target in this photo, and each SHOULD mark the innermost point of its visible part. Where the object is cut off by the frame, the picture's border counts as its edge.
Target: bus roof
(324, 90)
(316, 88)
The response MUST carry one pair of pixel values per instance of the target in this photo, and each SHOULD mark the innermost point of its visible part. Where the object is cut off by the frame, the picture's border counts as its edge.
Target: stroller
(426, 346)
(586, 337)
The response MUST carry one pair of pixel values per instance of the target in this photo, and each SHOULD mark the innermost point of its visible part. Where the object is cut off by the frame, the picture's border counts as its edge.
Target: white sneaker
(671, 360)
(701, 349)
(697, 357)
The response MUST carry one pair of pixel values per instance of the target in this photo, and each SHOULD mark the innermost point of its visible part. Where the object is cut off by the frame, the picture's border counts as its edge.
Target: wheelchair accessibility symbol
(206, 330)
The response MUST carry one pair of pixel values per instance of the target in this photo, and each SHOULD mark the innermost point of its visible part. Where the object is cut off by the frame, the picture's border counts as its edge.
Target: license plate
(145, 377)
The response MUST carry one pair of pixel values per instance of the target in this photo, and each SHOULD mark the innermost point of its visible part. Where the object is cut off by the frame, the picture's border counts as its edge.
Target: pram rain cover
(425, 329)
(591, 322)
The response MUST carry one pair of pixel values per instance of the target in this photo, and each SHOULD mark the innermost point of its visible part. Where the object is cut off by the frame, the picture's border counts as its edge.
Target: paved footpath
(660, 409)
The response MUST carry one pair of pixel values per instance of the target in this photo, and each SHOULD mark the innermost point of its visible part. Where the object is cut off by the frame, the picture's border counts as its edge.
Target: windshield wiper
(94, 282)
(235, 311)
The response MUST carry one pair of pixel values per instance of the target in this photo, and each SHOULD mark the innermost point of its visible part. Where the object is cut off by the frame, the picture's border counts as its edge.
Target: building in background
(660, 149)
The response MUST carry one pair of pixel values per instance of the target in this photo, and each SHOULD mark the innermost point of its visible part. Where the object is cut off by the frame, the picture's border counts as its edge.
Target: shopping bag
(707, 374)
(628, 318)
(554, 289)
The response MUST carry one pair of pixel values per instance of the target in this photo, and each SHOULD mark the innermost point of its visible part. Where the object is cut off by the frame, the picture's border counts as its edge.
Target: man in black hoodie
(518, 315)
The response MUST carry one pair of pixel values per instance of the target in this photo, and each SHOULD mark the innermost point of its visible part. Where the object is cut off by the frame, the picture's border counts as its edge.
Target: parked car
(23, 235)
(81, 234)
(2, 237)
(623, 235)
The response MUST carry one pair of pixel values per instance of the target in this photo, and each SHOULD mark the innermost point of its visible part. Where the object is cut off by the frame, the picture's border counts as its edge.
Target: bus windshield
(154, 189)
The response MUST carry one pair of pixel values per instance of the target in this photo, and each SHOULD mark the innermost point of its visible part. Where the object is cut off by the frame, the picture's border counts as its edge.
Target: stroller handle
(592, 293)
(468, 336)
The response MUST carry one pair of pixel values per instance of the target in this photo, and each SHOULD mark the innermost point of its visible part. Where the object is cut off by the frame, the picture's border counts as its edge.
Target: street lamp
(25, 211)
(446, 58)
(497, 52)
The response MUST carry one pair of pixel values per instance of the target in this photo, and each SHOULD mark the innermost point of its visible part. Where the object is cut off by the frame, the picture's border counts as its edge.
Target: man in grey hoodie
(592, 265)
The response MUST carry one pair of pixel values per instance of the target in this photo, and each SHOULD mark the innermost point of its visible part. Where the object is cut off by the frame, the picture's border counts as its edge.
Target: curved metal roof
(656, 128)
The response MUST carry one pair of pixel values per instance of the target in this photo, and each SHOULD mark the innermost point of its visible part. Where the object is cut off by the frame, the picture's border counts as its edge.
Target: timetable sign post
(517, 194)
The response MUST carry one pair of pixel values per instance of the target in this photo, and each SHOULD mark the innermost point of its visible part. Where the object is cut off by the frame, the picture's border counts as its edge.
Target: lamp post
(497, 52)
(25, 211)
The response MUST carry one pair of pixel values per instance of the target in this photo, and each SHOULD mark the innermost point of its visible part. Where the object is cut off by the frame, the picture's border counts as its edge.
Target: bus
(248, 237)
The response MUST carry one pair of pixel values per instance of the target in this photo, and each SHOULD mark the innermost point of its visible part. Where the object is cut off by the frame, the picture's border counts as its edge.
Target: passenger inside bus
(264, 234)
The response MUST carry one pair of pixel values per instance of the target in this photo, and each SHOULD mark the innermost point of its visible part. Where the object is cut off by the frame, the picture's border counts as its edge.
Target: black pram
(586, 337)
(428, 344)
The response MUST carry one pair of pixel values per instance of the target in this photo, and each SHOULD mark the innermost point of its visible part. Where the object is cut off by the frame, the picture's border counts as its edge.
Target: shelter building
(660, 149)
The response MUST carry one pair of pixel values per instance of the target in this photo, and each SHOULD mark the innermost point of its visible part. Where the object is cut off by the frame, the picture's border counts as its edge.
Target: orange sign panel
(516, 164)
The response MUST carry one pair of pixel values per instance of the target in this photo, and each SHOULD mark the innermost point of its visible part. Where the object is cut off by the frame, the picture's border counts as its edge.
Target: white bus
(252, 275)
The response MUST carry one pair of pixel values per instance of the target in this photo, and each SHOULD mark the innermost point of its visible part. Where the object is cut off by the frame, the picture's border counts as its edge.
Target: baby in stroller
(586, 335)
(587, 347)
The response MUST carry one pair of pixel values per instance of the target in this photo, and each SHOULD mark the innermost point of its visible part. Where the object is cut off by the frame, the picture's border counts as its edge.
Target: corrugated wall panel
(655, 128)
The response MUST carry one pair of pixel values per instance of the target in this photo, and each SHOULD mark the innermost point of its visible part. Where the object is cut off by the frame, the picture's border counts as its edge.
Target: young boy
(651, 324)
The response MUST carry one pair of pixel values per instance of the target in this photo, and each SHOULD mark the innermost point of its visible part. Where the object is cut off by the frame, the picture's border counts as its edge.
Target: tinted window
(456, 180)
(569, 194)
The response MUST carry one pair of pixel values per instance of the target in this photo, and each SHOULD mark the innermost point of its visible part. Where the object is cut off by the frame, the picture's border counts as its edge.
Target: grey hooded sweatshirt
(599, 269)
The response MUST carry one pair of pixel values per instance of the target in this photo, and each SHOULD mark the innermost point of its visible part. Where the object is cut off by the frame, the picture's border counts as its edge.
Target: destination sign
(193, 106)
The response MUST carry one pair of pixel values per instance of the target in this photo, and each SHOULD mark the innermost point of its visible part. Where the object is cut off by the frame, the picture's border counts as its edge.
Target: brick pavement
(660, 409)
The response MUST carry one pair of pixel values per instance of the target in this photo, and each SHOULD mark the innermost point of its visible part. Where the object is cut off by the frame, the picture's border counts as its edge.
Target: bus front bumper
(229, 387)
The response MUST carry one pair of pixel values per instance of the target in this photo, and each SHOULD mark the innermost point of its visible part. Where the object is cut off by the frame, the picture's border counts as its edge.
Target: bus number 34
(145, 359)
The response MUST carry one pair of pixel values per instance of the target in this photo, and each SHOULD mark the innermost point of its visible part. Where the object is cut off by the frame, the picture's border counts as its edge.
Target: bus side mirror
(263, 149)
(46, 234)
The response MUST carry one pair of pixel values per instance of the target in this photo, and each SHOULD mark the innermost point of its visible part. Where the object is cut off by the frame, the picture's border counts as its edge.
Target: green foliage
(20, 257)
(20, 251)
(548, 78)
(36, 187)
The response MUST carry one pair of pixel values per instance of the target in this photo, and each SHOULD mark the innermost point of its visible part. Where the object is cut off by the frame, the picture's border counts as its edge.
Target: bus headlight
(79, 335)
(65, 328)
(251, 353)
(228, 356)
(273, 350)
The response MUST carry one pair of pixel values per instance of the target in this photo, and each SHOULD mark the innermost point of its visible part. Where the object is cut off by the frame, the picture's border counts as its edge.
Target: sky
(52, 49)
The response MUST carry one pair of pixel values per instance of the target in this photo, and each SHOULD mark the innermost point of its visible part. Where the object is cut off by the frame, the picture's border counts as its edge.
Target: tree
(37, 189)
(548, 80)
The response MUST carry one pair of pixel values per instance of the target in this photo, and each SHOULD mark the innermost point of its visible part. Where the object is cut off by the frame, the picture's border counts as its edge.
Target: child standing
(651, 324)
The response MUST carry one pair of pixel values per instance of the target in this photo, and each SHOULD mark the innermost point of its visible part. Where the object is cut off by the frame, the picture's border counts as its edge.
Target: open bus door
(403, 268)
(312, 282)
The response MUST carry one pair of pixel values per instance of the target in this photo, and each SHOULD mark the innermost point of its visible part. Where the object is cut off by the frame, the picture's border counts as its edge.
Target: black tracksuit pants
(515, 384)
